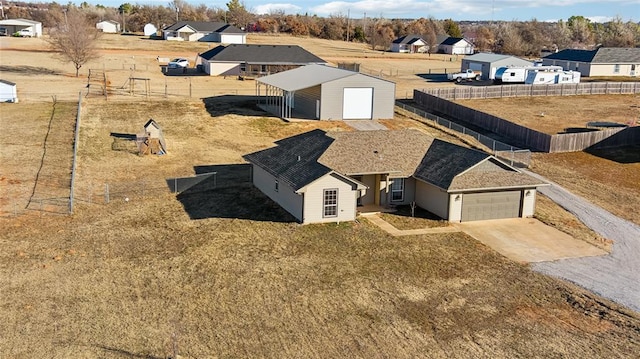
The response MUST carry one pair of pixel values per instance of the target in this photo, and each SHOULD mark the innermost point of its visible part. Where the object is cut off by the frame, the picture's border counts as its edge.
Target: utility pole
(2, 10)
(348, 19)
(177, 14)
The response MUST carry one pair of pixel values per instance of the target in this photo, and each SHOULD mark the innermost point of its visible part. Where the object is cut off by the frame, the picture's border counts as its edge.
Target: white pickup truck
(466, 75)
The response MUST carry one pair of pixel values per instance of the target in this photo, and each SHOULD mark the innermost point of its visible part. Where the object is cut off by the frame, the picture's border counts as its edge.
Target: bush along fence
(523, 136)
(508, 153)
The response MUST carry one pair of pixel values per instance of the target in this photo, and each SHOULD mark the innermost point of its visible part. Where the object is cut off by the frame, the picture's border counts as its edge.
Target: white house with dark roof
(456, 46)
(604, 61)
(322, 176)
(322, 92)
(204, 31)
(411, 43)
(255, 60)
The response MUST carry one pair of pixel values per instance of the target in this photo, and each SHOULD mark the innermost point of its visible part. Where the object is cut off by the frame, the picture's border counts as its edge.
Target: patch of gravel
(615, 276)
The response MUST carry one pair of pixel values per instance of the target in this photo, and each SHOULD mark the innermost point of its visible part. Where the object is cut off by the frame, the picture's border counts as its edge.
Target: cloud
(270, 8)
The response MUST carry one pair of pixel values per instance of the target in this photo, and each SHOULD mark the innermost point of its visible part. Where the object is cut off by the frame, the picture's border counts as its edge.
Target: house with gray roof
(604, 61)
(255, 60)
(204, 31)
(489, 63)
(410, 43)
(322, 177)
(321, 92)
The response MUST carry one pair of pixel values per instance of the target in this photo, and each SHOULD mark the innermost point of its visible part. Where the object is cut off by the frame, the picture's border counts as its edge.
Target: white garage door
(492, 205)
(357, 103)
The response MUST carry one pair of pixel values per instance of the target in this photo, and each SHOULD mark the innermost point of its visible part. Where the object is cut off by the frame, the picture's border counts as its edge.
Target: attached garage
(491, 205)
(326, 93)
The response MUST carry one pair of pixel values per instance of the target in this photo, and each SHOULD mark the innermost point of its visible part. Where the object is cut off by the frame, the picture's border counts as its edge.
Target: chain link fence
(511, 154)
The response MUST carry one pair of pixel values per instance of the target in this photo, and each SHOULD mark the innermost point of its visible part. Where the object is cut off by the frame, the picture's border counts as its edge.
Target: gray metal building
(326, 93)
(488, 63)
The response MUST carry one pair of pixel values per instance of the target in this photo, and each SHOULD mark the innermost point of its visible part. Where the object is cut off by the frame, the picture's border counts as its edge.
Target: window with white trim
(616, 69)
(330, 203)
(397, 190)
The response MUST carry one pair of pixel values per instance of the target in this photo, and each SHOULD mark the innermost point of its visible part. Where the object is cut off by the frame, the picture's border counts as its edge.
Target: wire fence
(511, 154)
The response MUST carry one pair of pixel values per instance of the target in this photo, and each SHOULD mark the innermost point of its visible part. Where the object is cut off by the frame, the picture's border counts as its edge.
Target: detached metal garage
(490, 63)
(326, 93)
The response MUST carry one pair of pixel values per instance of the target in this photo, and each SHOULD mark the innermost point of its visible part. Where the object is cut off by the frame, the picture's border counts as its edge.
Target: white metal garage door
(491, 205)
(357, 103)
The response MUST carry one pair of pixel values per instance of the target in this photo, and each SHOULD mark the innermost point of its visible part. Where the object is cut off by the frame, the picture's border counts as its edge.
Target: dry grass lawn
(222, 272)
(557, 114)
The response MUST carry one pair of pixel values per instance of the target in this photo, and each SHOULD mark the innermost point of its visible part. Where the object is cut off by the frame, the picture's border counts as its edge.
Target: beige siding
(529, 203)
(333, 92)
(432, 198)
(314, 201)
(224, 69)
(305, 101)
(285, 196)
(369, 197)
(409, 191)
(608, 70)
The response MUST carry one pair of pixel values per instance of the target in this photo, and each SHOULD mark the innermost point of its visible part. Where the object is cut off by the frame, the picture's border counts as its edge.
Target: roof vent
(299, 158)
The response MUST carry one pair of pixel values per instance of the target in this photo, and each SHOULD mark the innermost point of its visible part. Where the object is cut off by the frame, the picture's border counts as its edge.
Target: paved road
(615, 276)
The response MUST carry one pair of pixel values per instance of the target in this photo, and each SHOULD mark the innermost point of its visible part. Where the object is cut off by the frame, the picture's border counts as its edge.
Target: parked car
(3, 31)
(178, 63)
(27, 32)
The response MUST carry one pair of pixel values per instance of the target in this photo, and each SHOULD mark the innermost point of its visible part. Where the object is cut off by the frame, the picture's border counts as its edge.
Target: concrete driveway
(528, 240)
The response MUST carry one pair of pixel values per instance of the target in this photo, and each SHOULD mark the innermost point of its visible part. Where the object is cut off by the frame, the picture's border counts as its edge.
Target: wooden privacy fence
(520, 135)
(588, 88)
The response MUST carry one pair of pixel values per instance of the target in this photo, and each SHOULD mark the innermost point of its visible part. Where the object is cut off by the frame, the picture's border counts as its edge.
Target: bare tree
(75, 39)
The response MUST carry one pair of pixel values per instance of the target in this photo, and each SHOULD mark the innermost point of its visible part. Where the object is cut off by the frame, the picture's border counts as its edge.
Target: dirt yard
(559, 114)
(221, 271)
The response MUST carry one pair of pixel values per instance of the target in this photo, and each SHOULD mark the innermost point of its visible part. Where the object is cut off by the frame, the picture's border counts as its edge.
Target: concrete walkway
(615, 276)
(365, 125)
(387, 227)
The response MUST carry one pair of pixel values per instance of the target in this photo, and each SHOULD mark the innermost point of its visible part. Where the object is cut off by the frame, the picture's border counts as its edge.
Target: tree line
(520, 38)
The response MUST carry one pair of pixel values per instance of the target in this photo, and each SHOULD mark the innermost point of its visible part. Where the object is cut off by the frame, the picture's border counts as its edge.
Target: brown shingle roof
(361, 152)
(493, 180)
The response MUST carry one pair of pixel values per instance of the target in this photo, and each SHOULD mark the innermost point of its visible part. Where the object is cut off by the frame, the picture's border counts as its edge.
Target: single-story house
(255, 60)
(8, 91)
(456, 46)
(108, 26)
(410, 43)
(489, 63)
(326, 93)
(205, 31)
(604, 61)
(322, 177)
(15, 25)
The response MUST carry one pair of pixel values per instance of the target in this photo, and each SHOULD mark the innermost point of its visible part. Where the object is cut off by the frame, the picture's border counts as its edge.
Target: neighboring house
(205, 31)
(255, 60)
(489, 63)
(326, 93)
(605, 61)
(108, 26)
(8, 91)
(456, 46)
(15, 25)
(322, 176)
(410, 44)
